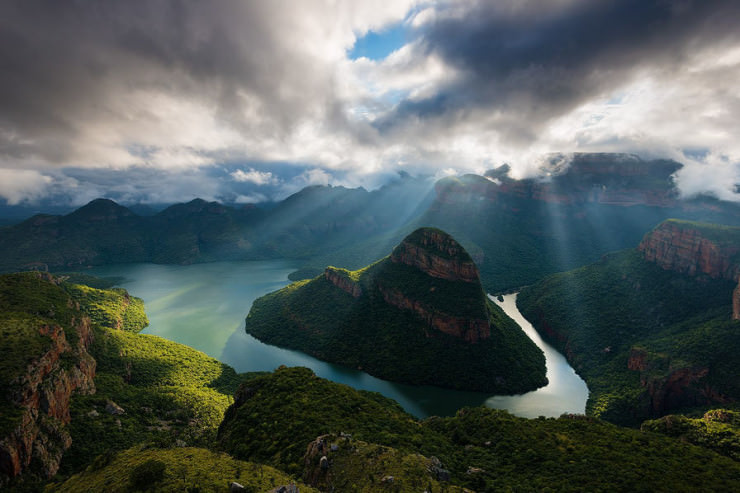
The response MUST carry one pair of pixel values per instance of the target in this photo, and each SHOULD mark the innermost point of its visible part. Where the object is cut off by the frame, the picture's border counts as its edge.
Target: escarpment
(419, 316)
(47, 345)
(340, 278)
(696, 249)
(437, 254)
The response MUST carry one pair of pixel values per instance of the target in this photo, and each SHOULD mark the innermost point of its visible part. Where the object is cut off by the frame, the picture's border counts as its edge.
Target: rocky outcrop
(437, 254)
(681, 247)
(466, 328)
(42, 394)
(610, 179)
(696, 249)
(668, 387)
(340, 278)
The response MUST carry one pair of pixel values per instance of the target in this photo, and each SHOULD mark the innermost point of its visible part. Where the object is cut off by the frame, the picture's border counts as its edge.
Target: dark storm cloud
(541, 59)
(67, 65)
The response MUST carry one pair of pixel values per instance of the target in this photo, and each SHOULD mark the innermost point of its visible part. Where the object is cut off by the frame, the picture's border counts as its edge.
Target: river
(204, 306)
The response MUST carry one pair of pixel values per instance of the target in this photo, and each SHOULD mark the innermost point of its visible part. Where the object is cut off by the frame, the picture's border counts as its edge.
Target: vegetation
(113, 308)
(29, 302)
(276, 415)
(368, 332)
(626, 311)
(170, 394)
(175, 469)
(718, 430)
(156, 399)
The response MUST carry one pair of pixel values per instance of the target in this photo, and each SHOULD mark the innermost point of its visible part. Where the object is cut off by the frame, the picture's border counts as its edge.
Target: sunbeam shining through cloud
(350, 93)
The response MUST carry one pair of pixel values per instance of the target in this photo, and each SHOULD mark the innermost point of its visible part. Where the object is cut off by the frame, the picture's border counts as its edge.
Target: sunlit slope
(419, 316)
(174, 469)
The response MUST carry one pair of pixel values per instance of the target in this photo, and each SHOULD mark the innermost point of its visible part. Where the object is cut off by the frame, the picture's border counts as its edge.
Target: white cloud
(17, 186)
(254, 176)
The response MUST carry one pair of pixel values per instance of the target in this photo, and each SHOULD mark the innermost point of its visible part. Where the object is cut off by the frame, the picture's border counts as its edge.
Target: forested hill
(652, 330)
(419, 316)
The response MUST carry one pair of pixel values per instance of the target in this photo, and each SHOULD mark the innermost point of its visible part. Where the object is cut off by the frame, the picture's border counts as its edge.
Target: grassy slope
(718, 430)
(600, 311)
(291, 407)
(317, 317)
(169, 392)
(112, 308)
(185, 469)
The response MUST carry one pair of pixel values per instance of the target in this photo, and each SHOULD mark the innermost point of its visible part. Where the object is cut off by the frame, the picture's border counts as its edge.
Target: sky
(247, 101)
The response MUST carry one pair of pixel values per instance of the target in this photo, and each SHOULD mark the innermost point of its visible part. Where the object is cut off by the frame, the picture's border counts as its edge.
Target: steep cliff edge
(419, 316)
(45, 360)
(696, 249)
(437, 254)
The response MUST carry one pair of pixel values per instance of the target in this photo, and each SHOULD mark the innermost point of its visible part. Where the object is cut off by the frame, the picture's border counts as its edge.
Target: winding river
(204, 306)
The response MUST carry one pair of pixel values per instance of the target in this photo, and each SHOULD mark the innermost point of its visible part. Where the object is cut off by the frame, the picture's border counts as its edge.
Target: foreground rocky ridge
(37, 395)
(419, 316)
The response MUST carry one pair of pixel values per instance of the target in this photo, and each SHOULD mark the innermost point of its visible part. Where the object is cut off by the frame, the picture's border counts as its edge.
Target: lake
(204, 306)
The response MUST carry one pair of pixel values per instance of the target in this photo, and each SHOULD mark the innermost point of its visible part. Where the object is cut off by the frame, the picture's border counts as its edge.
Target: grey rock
(114, 409)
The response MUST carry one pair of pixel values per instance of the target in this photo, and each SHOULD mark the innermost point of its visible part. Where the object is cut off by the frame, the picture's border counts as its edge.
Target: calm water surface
(204, 306)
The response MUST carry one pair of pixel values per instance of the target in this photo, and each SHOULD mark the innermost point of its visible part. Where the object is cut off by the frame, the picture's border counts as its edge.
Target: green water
(204, 306)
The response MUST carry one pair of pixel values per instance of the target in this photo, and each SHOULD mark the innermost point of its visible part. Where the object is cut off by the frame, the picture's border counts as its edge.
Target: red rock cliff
(681, 248)
(466, 328)
(686, 248)
(437, 254)
(341, 280)
(43, 393)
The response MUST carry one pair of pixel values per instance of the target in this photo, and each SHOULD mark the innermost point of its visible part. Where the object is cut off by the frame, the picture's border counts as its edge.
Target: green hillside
(177, 469)
(275, 416)
(395, 339)
(675, 331)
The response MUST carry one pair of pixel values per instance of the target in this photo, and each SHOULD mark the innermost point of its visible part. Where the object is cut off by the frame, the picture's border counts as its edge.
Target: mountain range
(517, 231)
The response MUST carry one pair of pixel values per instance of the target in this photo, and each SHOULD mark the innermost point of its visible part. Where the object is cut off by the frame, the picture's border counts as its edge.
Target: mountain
(314, 220)
(419, 316)
(519, 231)
(159, 416)
(651, 330)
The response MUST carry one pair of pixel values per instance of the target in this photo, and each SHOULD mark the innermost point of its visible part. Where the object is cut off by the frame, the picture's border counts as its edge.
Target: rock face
(340, 278)
(437, 254)
(669, 388)
(42, 393)
(696, 249)
(677, 246)
(467, 328)
(610, 179)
